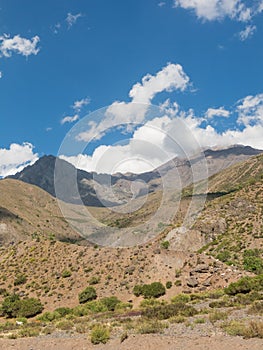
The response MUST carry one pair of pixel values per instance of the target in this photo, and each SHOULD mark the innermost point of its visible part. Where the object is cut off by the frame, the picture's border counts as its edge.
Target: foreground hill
(27, 211)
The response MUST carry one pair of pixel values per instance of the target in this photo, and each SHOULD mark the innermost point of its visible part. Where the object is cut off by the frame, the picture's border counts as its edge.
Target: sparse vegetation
(100, 334)
(153, 290)
(87, 295)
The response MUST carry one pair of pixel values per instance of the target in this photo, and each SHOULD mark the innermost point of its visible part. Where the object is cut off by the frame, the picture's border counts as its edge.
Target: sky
(62, 62)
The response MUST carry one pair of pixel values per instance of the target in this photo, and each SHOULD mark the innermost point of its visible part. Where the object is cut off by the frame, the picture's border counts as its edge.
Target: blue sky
(60, 59)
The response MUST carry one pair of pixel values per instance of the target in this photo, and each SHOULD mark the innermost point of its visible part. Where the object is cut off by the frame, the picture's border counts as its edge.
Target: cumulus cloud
(171, 77)
(72, 19)
(15, 158)
(250, 110)
(177, 133)
(69, 119)
(79, 104)
(216, 9)
(217, 112)
(19, 45)
(247, 33)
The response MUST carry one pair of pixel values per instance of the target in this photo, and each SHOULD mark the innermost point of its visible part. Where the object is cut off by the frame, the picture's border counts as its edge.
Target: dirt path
(138, 342)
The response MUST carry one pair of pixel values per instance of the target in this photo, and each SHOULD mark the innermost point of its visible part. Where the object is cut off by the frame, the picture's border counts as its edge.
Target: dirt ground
(136, 342)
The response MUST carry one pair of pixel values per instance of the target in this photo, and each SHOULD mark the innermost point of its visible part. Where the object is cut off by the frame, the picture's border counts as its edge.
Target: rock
(157, 251)
(201, 268)
(192, 282)
(207, 283)
(129, 270)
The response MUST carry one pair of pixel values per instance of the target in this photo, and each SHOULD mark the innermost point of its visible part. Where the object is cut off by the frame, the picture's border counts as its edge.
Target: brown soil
(140, 342)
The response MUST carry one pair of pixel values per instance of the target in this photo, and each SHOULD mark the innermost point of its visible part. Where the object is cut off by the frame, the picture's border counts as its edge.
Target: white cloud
(171, 77)
(69, 119)
(72, 19)
(19, 45)
(15, 158)
(248, 32)
(1, 74)
(216, 9)
(161, 4)
(79, 104)
(250, 110)
(218, 112)
(176, 133)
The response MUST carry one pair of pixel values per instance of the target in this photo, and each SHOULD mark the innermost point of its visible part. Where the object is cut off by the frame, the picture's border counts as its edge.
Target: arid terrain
(196, 287)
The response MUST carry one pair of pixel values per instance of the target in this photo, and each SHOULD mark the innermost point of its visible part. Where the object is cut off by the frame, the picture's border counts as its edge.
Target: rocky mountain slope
(224, 244)
(104, 190)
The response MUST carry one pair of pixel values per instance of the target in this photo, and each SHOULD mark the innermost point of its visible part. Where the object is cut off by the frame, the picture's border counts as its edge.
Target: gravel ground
(134, 342)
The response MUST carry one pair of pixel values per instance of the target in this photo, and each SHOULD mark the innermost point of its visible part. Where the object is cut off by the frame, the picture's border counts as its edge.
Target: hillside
(194, 265)
(27, 211)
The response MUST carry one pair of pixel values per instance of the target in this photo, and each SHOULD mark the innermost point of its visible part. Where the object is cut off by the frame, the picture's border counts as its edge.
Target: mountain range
(98, 190)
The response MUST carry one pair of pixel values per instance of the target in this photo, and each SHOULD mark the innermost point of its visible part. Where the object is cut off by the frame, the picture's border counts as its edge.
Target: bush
(166, 311)
(20, 279)
(137, 290)
(110, 302)
(66, 274)
(153, 290)
(94, 280)
(252, 260)
(150, 327)
(63, 311)
(224, 256)
(100, 334)
(252, 330)
(88, 294)
(245, 285)
(49, 316)
(13, 306)
(181, 298)
(165, 244)
(169, 284)
(30, 307)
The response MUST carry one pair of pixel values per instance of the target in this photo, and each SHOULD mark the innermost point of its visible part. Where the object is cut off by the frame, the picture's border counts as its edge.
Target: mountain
(100, 190)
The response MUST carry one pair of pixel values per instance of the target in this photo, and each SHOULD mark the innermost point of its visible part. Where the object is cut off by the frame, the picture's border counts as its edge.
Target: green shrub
(165, 244)
(94, 280)
(256, 308)
(96, 306)
(110, 302)
(20, 279)
(150, 327)
(13, 306)
(137, 290)
(224, 256)
(49, 316)
(153, 290)
(30, 307)
(169, 284)
(252, 260)
(181, 298)
(245, 285)
(254, 329)
(163, 312)
(66, 274)
(100, 334)
(63, 311)
(217, 316)
(88, 294)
